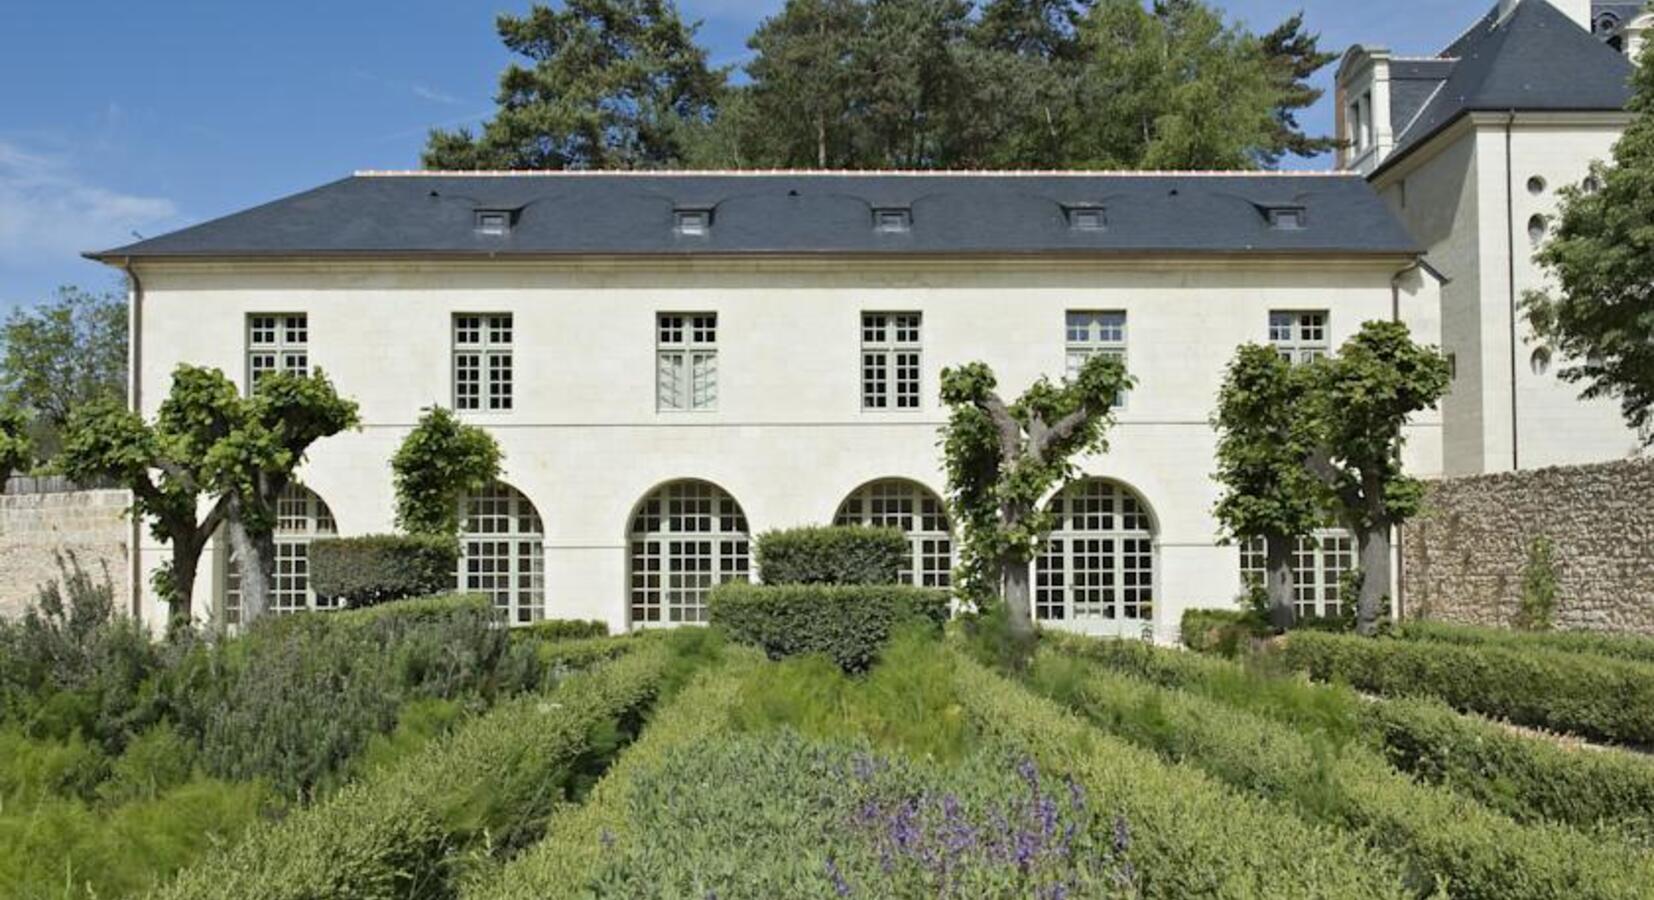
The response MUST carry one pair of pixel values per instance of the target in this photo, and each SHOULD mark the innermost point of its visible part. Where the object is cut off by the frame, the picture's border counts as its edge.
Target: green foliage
(60, 356)
(1596, 698)
(16, 446)
(848, 623)
(611, 84)
(1191, 835)
(1600, 256)
(832, 555)
(1225, 632)
(1537, 608)
(1634, 647)
(562, 630)
(440, 461)
(410, 830)
(1441, 836)
(372, 569)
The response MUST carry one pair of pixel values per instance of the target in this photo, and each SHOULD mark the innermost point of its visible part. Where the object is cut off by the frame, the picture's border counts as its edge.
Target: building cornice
(1420, 154)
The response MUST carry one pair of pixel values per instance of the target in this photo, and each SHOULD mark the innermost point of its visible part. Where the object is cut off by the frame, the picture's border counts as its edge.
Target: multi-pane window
(301, 517)
(483, 362)
(917, 513)
(686, 537)
(502, 552)
(1319, 564)
(277, 342)
(1299, 336)
(1091, 334)
(1098, 561)
(686, 365)
(890, 350)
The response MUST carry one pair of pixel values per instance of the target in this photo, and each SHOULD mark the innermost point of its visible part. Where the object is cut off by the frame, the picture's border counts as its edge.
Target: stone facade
(35, 528)
(1463, 559)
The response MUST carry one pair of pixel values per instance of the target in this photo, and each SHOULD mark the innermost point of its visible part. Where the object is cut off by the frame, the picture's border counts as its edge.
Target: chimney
(1578, 10)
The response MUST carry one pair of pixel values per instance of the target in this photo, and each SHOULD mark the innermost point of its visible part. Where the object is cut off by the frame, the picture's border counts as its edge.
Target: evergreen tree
(1294, 55)
(1600, 316)
(804, 83)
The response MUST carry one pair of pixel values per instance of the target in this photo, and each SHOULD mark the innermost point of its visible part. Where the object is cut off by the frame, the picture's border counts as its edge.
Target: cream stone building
(675, 362)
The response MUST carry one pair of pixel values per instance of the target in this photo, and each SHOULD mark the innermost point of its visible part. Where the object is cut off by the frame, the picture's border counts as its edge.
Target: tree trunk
(186, 560)
(1018, 608)
(1278, 581)
(1374, 548)
(256, 554)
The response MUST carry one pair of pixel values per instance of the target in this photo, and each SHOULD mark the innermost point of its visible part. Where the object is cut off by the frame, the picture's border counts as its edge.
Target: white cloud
(50, 212)
(434, 95)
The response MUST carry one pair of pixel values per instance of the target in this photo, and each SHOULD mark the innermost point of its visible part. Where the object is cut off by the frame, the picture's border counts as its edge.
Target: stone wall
(1463, 559)
(35, 527)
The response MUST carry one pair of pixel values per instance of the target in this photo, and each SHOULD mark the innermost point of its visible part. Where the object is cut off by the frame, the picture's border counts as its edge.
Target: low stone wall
(35, 528)
(1463, 560)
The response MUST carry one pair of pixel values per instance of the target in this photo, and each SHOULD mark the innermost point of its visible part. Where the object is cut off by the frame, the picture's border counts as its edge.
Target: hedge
(1594, 697)
(407, 829)
(848, 623)
(1529, 779)
(1438, 834)
(1191, 836)
(578, 838)
(832, 555)
(1221, 631)
(1633, 647)
(562, 630)
(362, 571)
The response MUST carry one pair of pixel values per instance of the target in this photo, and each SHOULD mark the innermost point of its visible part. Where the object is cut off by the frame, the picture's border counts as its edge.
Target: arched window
(918, 513)
(1318, 567)
(685, 537)
(1098, 561)
(301, 517)
(502, 552)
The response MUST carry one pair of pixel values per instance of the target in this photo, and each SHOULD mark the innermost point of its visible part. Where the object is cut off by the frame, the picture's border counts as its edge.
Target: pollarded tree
(1003, 459)
(1601, 317)
(1361, 398)
(1265, 433)
(441, 460)
(16, 449)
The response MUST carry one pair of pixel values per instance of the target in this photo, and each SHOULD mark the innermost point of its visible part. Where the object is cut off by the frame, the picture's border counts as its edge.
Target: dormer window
(693, 221)
(1285, 218)
(493, 221)
(894, 220)
(1087, 218)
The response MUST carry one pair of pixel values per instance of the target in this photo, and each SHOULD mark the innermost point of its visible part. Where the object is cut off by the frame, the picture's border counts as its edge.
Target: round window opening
(1540, 362)
(1536, 185)
(1537, 228)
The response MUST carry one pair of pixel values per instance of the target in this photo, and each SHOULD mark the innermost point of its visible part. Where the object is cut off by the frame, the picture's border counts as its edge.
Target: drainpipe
(135, 397)
(1510, 280)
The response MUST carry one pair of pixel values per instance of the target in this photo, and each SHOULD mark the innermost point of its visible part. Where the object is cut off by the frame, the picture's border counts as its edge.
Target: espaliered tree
(16, 449)
(440, 461)
(1359, 400)
(1003, 459)
(1601, 258)
(1265, 434)
(208, 443)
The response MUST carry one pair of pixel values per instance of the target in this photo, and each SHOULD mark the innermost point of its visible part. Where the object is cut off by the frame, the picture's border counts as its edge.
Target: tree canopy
(16, 449)
(900, 84)
(439, 461)
(1600, 316)
(62, 355)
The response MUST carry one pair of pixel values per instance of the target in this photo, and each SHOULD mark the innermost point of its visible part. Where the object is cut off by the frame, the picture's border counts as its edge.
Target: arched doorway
(1097, 564)
(502, 552)
(301, 517)
(914, 510)
(684, 537)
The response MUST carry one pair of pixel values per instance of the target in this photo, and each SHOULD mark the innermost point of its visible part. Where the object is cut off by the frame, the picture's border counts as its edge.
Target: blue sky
(144, 117)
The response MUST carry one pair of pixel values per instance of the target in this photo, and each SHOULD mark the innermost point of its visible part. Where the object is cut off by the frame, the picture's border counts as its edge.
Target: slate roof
(1537, 59)
(434, 214)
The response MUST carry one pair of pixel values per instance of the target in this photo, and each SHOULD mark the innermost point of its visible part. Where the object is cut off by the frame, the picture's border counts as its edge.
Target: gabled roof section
(1536, 60)
(792, 213)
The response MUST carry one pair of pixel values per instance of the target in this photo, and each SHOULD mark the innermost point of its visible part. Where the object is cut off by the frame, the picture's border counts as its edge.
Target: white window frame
(1300, 335)
(892, 361)
(918, 513)
(302, 516)
(482, 349)
(502, 552)
(1089, 332)
(1319, 562)
(686, 362)
(1097, 565)
(277, 342)
(684, 538)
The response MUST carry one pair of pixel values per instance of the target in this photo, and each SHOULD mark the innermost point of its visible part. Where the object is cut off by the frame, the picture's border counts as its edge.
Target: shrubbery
(1623, 646)
(1594, 697)
(1221, 631)
(832, 555)
(362, 571)
(847, 623)
(1440, 834)
(562, 630)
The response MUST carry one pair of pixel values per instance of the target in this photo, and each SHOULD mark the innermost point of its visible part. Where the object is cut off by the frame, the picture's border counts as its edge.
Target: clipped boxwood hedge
(562, 630)
(831, 555)
(847, 622)
(1594, 697)
(1220, 631)
(1623, 646)
(1474, 851)
(377, 568)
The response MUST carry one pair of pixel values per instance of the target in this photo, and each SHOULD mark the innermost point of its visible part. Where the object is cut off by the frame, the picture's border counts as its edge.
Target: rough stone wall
(34, 528)
(1463, 560)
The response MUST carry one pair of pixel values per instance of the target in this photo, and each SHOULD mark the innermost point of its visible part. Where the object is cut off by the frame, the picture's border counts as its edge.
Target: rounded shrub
(363, 571)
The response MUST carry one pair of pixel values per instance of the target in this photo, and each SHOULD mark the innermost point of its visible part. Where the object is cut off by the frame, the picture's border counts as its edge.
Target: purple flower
(840, 886)
(864, 766)
(1076, 795)
(1029, 773)
(1122, 835)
